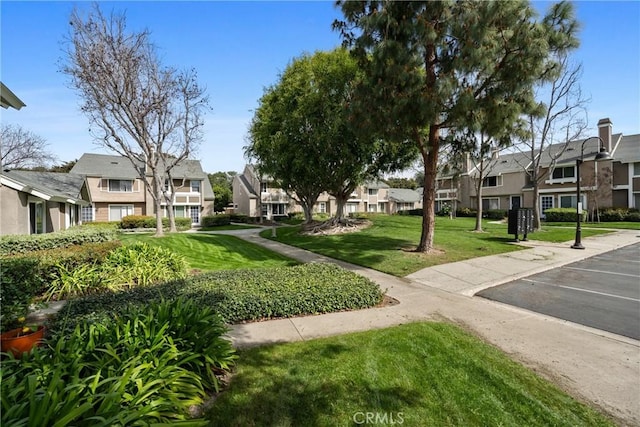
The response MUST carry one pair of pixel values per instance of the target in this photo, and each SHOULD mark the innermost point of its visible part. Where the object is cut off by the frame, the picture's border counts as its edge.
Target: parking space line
(610, 258)
(579, 289)
(599, 293)
(601, 271)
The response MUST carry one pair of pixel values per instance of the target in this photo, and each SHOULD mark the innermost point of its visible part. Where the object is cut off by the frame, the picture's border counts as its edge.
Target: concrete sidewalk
(593, 365)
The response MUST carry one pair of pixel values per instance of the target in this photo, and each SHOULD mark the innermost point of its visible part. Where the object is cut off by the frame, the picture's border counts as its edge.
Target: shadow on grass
(279, 393)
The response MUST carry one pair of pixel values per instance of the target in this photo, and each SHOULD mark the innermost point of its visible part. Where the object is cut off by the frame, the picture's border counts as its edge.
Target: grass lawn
(425, 374)
(388, 244)
(214, 251)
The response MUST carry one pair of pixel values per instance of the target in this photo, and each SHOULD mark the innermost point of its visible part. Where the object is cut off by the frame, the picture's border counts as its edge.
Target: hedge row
(252, 294)
(215, 220)
(15, 244)
(26, 276)
(619, 214)
(144, 221)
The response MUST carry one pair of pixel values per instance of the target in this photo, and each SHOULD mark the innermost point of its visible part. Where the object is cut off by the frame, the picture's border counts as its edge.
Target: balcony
(447, 195)
(186, 198)
(275, 197)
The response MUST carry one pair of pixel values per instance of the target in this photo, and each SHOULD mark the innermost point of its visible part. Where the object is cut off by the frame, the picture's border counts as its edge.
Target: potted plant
(21, 339)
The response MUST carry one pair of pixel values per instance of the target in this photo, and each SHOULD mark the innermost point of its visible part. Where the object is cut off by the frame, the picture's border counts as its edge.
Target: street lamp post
(601, 155)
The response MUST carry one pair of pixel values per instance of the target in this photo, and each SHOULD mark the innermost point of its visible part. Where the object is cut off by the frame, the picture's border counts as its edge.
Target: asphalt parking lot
(602, 292)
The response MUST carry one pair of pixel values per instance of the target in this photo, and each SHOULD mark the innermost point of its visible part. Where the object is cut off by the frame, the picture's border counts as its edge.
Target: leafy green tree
(432, 67)
(395, 182)
(221, 182)
(302, 134)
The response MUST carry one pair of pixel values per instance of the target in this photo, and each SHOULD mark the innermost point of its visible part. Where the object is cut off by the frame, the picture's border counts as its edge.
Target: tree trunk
(430, 163)
(308, 212)
(479, 206)
(157, 188)
(537, 224)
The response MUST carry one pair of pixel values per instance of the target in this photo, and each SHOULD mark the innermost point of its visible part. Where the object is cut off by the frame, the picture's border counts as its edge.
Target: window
(546, 202)
(117, 212)
(195, 186)
(492, 181)
(263, 187)
(36, 217)
(565, 172)
(121, 185)
(636, 200)
(636, 169)
(516, 202)
(195, 214)
(490, 204)
(322, 207)
(372, 208)
(86, 214)
(352, 207)
(373, 191)
(279, 209)
(570, 201)
(179, 211)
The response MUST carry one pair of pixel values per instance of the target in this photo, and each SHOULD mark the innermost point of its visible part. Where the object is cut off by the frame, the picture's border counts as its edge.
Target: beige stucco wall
(14, 212)
(98, 188)
(101, 210)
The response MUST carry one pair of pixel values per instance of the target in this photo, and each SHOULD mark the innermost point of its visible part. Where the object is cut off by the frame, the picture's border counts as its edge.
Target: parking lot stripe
(599, 293)
(601, 271)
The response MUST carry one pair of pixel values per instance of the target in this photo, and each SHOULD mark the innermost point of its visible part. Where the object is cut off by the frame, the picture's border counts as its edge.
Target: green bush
(215, 220)
(23, 277)
(242, 295)
(146, 366)
(411, 212)
(136, 221)
(562, 215)
(466, 212)
(632, 216)
(141, 264)
(239, 218)
(613, 214)
(496, 214)
(110, 225)
(15, 244)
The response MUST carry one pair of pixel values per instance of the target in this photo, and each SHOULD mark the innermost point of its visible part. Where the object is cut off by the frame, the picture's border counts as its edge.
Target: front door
(516, 202)
(546, 202)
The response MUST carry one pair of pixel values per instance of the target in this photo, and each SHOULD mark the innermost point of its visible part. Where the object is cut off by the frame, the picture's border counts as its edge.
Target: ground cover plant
(244, 295)
(389, 243)
(419, 374)
(213, 251)
(150, 364)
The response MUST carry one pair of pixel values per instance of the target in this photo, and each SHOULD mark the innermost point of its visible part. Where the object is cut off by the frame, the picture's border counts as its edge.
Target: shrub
(466, 212)
(239, 218)
(632, 216)
(613, 214)
(496, 214)
(146, 366)
(242, 295)
(136, 221)
(562, 215)
(141, 264)
(110, 225)
(215, 220)
(14, 244)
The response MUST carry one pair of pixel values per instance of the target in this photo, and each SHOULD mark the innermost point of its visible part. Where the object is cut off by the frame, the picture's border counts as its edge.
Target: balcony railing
(279, 197)
(186, 198)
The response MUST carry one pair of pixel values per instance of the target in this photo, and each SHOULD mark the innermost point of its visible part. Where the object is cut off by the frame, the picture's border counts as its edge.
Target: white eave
(9, 99)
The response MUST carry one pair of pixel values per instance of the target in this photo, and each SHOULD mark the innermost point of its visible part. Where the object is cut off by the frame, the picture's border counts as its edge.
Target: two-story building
(259, 196)
(115, 189)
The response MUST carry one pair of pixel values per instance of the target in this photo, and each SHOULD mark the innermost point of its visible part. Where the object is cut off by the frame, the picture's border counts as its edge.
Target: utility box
(520, 222)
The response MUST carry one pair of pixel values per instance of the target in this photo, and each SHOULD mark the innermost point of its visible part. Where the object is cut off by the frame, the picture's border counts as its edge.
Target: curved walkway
(593, 365)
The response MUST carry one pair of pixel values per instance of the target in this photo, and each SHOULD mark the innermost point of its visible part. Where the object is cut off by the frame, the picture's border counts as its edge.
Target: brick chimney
(604, 132)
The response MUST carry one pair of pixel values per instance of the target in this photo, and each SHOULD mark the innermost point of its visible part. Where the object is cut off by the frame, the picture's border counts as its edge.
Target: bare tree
(561, 118)
(22, 149)
(484, 159)
(137, 107)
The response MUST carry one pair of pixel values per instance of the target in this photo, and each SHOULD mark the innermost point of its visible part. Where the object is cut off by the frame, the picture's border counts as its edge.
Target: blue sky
(239, 48)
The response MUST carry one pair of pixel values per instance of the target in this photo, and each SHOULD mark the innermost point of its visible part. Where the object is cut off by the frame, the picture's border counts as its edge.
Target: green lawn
(214, 251)
(388, 244)
(425, 374)
(227, 227)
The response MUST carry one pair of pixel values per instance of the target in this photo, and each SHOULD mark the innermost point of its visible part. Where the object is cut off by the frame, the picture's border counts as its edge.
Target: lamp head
(603, 154)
